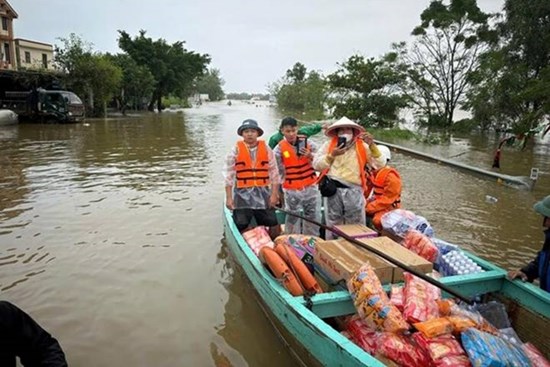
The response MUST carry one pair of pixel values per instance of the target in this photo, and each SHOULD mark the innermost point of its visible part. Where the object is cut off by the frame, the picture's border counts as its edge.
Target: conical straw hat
(343, 122)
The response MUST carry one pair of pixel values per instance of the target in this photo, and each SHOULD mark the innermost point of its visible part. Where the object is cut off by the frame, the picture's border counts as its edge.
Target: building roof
(4, 4)
(31, 41)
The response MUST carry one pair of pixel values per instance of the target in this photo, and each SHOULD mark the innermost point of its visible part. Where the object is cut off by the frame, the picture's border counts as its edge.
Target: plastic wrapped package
(419, 299)
(486, 350)
(396, 296)
(363, 284)
(402, 350)
(435, 327)
(362, 335)
(444, 306)
(440, 347)
(443, 247)
(400, 221)
(510, 335)
(454, 361)
(372, 302)
(421, 245)
(460, 323)
(468, 312)
(535, 356)
(495, 313)
(257, 238)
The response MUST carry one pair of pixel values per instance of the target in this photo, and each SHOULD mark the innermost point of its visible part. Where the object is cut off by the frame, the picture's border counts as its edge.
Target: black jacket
(539, 268)
(21, 336)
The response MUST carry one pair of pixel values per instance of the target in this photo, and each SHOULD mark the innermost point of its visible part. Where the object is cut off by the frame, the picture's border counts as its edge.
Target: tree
(366, 90)
(211, 84)
(300, 90)
(513, 80)
(440, 60)
(89, 74)
(137, 83)
(174, 68)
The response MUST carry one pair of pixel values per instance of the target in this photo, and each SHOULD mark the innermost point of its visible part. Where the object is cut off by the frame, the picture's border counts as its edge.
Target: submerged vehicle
(44, 105)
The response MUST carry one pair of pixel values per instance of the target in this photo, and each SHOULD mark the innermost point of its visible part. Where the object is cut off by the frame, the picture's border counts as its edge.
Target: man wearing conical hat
(342, 162)
(539, 268)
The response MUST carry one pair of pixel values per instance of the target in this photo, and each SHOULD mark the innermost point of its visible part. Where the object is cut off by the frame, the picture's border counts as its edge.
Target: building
(7, 45)
(33, 55)
(19, 53)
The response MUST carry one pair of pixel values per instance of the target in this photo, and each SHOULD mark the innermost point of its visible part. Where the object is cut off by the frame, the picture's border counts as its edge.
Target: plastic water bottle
(490, 199)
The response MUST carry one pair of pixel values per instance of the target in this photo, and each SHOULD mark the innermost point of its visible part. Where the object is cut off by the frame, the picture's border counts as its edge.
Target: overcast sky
(252, 42)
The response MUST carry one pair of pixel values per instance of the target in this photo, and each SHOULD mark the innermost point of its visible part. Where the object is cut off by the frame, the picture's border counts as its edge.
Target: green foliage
(365, 90)
(439, 62)
(512, 83)
(137, 83)
(174, 68)
(300, 90)
(211, 84)
(93, 76)
(392, 134)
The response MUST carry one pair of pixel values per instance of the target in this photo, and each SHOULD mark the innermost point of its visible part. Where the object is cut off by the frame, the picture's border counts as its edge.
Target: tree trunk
(159, 102)
(152, 102)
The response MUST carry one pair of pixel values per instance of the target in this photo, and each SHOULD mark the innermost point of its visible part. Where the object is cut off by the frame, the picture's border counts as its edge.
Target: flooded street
(111, 233)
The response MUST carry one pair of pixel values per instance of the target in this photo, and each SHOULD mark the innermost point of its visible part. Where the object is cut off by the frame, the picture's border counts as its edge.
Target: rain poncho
(306, 201)
(250, 197)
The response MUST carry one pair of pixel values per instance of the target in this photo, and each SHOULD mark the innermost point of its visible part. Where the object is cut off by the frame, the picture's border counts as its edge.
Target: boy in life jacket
(294, 156)
(383, 188)
(252, 180)
(539, 268)
(343, 160)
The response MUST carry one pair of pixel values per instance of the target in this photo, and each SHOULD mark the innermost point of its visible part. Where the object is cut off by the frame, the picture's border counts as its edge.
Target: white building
(33, 55)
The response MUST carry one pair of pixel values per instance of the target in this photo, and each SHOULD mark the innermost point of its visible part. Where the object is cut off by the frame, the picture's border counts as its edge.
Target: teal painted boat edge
(528, 295)
(327, 345)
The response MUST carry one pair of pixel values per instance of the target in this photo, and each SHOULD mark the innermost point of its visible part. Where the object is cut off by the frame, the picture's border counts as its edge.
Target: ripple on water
(17, 265)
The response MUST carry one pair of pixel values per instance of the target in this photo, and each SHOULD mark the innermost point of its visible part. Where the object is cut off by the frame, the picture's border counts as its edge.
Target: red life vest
(299, 172)
(248, 174)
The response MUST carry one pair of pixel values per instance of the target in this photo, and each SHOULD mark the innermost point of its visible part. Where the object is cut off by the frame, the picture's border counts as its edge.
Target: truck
(44, 105)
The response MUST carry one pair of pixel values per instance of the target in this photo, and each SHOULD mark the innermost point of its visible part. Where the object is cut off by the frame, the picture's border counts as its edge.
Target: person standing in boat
(307, 130)
(294, 155)
(539, 267)
(343, 161)
(252, 180)
(383, 188)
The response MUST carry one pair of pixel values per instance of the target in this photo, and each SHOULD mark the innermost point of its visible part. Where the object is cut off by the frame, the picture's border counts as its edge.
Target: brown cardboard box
(400, 253)
(339, 259)
(356, 230)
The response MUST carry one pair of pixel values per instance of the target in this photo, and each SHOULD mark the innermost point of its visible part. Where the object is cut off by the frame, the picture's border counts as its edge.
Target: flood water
(111, 233)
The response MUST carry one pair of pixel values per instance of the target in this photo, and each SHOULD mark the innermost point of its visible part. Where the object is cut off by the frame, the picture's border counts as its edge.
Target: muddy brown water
(111, 233)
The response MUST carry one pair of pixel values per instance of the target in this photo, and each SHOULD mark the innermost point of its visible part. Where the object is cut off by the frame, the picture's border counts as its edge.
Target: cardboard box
(400, 253)
(340, 259)
(356, 230)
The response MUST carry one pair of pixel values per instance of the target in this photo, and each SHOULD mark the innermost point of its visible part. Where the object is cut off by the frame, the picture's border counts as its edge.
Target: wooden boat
(313, 340)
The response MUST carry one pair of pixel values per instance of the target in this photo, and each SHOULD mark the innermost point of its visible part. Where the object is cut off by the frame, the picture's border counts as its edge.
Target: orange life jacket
(299, 172)
(249, 174)
(377, 181)
(362, 157)
(384, 201)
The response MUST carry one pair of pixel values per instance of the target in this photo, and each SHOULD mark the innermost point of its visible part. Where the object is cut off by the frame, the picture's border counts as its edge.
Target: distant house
(7, 46)
(19, 53)
(33, 55)
(204, 97)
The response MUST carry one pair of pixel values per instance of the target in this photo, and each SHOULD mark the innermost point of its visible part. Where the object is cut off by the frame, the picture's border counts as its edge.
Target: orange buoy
(296, 265)
(281, 270)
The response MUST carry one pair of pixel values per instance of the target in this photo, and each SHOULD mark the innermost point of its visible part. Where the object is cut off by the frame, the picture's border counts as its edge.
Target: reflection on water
(110, 232)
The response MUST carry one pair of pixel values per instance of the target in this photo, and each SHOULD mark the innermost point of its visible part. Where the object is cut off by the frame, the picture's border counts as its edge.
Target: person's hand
(514, 274)
(325, 126)
(229, 203)
(367, 138)
(305, 152)
(338, 151)
(274, 200)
